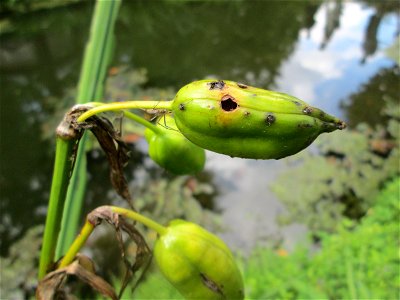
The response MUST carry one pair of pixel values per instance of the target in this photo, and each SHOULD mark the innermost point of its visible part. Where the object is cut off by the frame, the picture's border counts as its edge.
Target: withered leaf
(51, 286)
(143, 252)
(117, 154)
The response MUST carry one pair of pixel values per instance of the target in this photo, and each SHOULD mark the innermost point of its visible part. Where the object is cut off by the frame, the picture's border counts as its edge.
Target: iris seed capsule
(248, 122)
(197, 263)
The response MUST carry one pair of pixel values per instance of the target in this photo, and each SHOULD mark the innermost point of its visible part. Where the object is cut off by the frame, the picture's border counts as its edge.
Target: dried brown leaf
(52, 285)
(117, 154)
(143, 252)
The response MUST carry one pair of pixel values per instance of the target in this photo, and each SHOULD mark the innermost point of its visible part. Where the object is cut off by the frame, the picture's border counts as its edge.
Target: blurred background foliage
(345, 189)
(359, 261)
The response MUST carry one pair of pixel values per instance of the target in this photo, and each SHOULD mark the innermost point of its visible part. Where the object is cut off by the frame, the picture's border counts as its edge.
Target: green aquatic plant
(238, 120)
(185, 253)
(217, 115)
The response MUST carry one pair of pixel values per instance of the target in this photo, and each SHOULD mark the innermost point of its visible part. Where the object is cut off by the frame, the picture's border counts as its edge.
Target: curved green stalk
(160, 229)
(88, 227)
(115, 106)
(133, 117)
(142, 121)
(86, 231)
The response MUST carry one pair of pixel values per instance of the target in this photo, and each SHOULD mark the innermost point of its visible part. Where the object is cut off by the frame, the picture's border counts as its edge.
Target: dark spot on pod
(297, 103)
(246, 113)
(304, 125)
(228, 103)
(270, 119)
(322, 114)
(181, 106)
(242, 86)
(216, 85)
(213, 286)
(307, 110)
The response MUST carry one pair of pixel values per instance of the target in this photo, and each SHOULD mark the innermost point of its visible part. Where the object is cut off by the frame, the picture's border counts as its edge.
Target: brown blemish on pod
(213, 286)
(270, 119)
(246, 113)
(241, 85)
(228, 103)
(216, 85)
(307, 110)
(181, 106)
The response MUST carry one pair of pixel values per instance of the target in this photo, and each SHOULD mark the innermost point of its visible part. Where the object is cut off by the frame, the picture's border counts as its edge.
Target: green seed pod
(197, 263)
(243, 121)
(172, 151)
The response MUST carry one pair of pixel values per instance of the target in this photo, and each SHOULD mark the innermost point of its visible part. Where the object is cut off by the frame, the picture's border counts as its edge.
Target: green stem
(142, 121)
(59, 185)
(88, 227)
(160, 229)
(133, 117)
(125, 105)
(80, 240)
(74, 201)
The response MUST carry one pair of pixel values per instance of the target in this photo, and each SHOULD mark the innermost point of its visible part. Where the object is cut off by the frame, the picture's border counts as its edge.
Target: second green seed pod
(197, 263)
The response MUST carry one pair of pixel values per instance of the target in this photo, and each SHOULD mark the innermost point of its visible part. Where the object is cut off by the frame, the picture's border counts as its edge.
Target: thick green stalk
(62, 169)
(74, 201)
(97, 57)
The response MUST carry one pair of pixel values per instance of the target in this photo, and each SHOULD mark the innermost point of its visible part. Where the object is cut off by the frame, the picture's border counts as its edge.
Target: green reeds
(66, 197)
(62, 168)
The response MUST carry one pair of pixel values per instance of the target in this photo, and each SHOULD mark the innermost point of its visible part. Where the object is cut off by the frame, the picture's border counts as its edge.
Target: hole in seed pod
(181, 106)
(228, 103)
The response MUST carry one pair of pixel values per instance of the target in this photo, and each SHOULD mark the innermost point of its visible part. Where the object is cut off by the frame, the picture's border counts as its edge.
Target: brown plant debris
(52, 286)
(116, 150)
(143, 252)
(117, 153)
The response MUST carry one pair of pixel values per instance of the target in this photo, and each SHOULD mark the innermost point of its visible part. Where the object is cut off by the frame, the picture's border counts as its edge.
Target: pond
(320, 52)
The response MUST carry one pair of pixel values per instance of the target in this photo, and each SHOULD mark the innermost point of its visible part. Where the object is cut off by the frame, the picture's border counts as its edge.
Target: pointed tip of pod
(341, 125)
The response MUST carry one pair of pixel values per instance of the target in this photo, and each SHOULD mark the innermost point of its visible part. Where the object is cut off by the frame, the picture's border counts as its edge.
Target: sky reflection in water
(329, 75)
